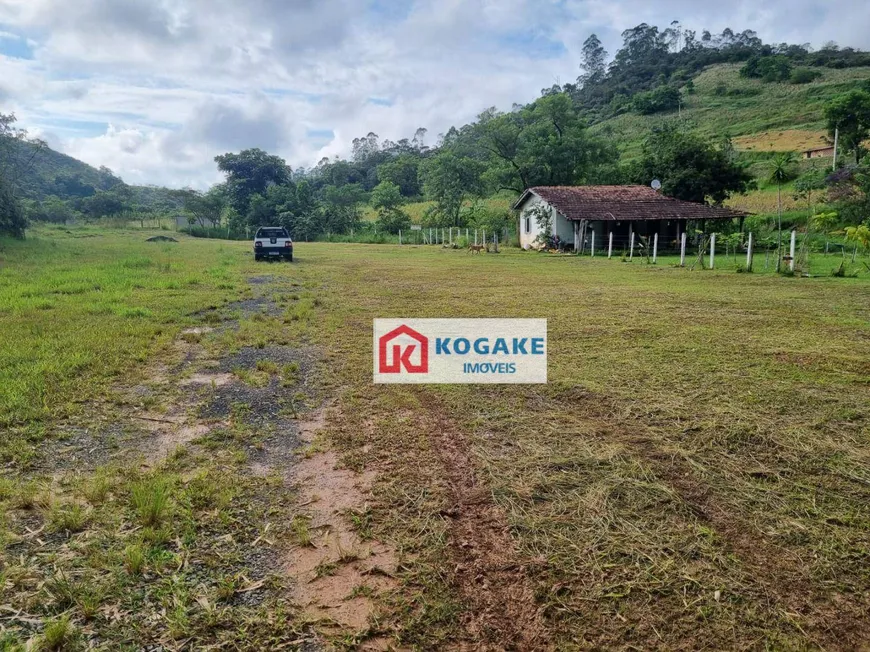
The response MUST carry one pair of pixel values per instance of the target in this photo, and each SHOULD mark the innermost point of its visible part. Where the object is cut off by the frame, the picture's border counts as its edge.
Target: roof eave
(523, 199)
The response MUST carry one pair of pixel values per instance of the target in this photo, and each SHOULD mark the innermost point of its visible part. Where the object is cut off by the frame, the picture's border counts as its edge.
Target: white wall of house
(529, 229)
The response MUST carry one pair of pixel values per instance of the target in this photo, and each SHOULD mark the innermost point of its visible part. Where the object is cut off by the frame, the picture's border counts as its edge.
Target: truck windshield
(272, 233)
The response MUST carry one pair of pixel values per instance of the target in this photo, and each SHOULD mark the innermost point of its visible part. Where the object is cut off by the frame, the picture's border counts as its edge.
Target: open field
(176, 419)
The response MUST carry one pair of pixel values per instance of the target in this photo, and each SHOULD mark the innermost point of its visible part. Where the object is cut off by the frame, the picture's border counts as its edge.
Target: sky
(155, 89)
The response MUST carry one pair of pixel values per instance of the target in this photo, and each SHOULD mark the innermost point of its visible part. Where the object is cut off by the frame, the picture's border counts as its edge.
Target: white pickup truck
(273, 242)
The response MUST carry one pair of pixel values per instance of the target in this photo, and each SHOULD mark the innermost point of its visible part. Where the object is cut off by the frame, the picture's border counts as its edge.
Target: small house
(577, 214)
(820, 152)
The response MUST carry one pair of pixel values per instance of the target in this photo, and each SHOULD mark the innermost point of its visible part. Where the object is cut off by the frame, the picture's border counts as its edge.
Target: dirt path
(503, 613)
(336, 566)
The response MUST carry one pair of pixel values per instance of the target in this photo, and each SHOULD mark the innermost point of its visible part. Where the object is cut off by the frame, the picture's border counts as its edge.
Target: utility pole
(836, 143)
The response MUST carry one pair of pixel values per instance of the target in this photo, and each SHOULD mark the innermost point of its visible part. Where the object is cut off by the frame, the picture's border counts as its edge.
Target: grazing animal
(476, 249)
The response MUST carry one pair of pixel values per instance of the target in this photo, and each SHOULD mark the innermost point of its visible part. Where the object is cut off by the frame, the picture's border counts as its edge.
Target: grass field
(694, 474)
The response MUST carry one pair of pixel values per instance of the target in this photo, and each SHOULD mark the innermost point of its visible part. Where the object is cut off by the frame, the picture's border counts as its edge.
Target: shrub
(663, 98)
(804, 75)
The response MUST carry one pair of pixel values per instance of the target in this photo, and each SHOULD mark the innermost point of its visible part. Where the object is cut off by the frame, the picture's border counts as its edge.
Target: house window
(528, 224)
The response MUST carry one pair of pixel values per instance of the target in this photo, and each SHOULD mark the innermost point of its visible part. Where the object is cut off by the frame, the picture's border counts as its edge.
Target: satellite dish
(656, 184)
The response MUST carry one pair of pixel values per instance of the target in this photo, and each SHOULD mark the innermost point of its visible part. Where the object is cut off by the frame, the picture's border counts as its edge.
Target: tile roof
(623, 203)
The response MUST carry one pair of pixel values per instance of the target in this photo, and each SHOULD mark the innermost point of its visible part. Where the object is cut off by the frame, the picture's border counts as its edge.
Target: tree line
(547, 142)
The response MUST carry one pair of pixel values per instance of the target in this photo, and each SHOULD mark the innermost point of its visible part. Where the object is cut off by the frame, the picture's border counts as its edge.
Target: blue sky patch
(14, 46)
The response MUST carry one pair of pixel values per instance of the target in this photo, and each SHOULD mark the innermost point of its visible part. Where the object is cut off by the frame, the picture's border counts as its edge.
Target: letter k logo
(402, 358)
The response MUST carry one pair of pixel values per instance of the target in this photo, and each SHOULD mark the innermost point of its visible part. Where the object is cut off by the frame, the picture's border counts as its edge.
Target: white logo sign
(493, 351)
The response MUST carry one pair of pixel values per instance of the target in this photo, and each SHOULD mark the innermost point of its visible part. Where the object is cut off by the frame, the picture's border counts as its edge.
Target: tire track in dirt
(503, 613)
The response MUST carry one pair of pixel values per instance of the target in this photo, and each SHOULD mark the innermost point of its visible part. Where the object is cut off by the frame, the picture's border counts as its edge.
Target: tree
(103, 204)
(807, 185)
(341, 206)
(594, 59)
(402, 171)
(12, 219)
(781, 171)
(251, 172)
(448, 180)
(17, 155)
(545, 143)
(850, 113)
(387, 200)
(689, 167)
(204, 207)
(52, 209)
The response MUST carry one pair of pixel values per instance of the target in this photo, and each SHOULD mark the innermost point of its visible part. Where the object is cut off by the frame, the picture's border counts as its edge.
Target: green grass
(693, 474)
(80, 310)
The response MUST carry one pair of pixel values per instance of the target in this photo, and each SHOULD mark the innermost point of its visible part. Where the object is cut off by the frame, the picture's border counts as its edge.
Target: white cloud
(156, 88)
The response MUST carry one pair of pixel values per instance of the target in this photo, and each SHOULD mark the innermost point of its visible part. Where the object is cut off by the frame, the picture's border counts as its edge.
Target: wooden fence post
(791, 249)
(749, 253)
(655, 247)
(475, 237)
(712, 250)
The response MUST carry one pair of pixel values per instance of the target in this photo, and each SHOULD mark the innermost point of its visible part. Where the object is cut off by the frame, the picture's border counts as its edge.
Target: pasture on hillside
(176, 419)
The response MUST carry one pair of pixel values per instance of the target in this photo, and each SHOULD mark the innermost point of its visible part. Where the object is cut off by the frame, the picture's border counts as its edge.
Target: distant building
(580, 211)
(819, 152)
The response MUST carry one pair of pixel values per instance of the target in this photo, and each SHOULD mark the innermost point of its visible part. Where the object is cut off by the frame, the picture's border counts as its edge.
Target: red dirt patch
(336, 575)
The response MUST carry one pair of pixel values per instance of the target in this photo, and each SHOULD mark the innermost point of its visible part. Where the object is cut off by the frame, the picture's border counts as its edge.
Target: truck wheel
(290, 258)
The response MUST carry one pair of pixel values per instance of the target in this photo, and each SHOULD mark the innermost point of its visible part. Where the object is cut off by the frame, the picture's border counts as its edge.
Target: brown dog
(476, 249)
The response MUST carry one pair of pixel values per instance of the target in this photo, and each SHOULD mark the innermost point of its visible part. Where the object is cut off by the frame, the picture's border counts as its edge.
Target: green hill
(758, 116)
(52, 173)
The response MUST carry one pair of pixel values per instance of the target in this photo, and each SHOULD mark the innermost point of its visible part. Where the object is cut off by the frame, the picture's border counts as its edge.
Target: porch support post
(655, 247)
(749, 253)
(576, 237)
(683, 250)
(610, 246)
(592, 249)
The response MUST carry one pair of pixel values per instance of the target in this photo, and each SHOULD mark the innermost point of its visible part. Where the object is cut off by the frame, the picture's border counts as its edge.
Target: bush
(804, 75)
(776, 68)
(663, 98)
